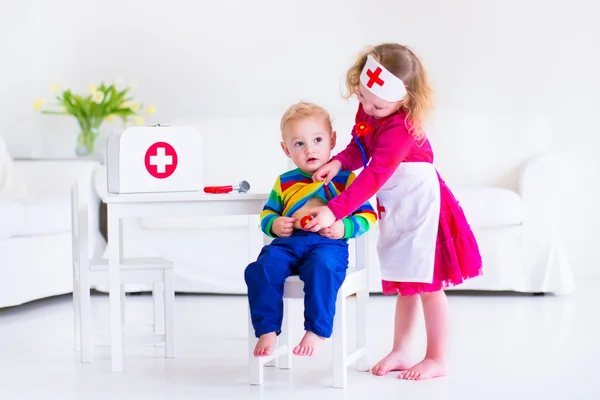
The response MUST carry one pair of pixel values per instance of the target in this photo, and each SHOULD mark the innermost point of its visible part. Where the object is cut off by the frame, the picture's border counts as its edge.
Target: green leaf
(51, 112)
(123, 112)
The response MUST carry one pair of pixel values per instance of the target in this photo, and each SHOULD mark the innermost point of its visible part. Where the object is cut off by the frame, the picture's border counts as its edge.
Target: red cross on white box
(161, 160)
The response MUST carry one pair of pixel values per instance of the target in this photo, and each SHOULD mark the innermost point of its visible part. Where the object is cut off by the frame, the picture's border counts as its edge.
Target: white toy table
(178, 204)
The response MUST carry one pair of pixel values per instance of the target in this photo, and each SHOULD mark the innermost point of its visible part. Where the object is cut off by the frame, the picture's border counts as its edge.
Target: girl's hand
(335, 231)
(322, 217)
(283, 227)
(328, 171)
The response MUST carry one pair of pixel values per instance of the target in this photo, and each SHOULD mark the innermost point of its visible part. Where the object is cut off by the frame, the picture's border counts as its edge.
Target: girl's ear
(333, 139)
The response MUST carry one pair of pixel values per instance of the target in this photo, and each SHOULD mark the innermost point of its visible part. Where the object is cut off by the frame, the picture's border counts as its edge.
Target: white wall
(512, 78)
(17, 74)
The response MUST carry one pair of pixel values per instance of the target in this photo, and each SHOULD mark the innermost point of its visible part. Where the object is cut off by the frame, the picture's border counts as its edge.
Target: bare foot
(395, 361)
(426, 369)
(265, 345)
(308, 345)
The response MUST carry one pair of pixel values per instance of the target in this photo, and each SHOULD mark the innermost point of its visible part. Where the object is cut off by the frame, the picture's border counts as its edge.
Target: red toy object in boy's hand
(305, 220)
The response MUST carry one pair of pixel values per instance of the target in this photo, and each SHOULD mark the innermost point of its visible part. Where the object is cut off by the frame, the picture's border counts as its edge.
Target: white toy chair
(88, 272)
(356, 283)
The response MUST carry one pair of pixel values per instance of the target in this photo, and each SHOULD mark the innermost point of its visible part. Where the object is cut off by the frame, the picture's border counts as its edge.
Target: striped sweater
(294, 188)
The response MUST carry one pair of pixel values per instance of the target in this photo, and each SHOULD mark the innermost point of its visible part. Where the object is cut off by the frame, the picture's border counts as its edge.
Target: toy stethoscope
(362, 129)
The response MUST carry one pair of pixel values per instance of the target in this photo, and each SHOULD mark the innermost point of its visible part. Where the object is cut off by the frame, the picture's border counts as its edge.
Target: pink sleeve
(392, 145)
(351, 157)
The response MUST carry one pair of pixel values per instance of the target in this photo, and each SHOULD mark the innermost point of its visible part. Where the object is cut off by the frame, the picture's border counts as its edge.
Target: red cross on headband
(381, 82)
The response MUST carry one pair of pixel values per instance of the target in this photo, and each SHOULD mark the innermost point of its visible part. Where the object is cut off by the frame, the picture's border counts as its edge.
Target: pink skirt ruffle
(457, 256)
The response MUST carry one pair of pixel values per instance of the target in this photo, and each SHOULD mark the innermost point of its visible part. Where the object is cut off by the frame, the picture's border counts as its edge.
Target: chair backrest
(361, 251)
(79, 230)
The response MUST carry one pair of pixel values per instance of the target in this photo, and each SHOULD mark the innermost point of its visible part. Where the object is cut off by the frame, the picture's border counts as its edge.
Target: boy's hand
(335, 231)
(283, 226)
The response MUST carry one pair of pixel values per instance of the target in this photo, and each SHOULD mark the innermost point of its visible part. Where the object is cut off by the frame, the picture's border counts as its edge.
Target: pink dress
(386, 143)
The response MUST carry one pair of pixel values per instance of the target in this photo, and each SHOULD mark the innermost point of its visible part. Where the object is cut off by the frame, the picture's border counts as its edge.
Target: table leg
(114, 258)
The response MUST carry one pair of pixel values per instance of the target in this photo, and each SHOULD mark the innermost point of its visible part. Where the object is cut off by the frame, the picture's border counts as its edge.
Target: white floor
(502, 346)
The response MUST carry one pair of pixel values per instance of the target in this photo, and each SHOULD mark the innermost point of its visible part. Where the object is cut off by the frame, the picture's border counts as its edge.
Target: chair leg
(169, 313)
(158, 299)
(285, 360)
(123, 298)
(86, 323)
(76, 316)
(340, 351)
(362, 301)
(256, 374)
(272, 363)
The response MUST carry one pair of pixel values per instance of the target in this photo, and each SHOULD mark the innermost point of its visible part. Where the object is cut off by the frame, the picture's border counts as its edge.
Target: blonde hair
(404, 64)
(302, 110)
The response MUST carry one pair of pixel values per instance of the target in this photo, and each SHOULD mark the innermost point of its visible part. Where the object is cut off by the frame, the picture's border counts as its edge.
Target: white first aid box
(154, 159)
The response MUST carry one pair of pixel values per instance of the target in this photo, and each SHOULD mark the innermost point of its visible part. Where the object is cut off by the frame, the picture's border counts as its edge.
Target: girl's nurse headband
(381, 82)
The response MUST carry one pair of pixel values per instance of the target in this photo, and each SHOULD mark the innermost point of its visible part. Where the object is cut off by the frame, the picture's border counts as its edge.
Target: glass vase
(86, 140)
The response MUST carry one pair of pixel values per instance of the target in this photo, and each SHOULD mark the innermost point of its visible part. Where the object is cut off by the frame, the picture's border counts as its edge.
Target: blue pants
(321, 264)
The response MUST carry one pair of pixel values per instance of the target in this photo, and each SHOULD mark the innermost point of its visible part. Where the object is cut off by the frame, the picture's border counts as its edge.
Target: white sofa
(517, 230)
(35, 229)
(515, 224)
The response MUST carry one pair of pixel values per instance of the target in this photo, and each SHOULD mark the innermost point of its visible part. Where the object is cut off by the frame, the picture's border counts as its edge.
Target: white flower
(38, 104)
(98, 97)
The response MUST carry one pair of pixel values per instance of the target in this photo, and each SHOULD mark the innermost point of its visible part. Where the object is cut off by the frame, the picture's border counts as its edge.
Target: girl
(425, 243)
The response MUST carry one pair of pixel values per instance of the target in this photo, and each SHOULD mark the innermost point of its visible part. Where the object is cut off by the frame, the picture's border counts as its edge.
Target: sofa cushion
(35, 216)
(12, 185)
(46, 215)
(12, 215)
(490, 207)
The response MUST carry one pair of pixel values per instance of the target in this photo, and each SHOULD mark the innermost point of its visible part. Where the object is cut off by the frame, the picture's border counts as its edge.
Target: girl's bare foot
(395, 361)
(265, 345)
(426, 369)
(308, 345)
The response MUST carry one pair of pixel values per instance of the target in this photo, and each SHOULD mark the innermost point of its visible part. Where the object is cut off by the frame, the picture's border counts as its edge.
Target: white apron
(409, 207)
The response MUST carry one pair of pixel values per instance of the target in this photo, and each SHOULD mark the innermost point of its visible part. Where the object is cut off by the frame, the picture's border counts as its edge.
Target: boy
(320, 259)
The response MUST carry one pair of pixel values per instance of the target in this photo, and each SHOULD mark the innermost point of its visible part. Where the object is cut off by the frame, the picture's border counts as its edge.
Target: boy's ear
(333, 139)
(285, 149)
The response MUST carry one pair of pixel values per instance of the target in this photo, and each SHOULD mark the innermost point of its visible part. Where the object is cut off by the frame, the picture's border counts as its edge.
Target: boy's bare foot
(426, 369)
(308, 345)
(395, 361)
(265, 345)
